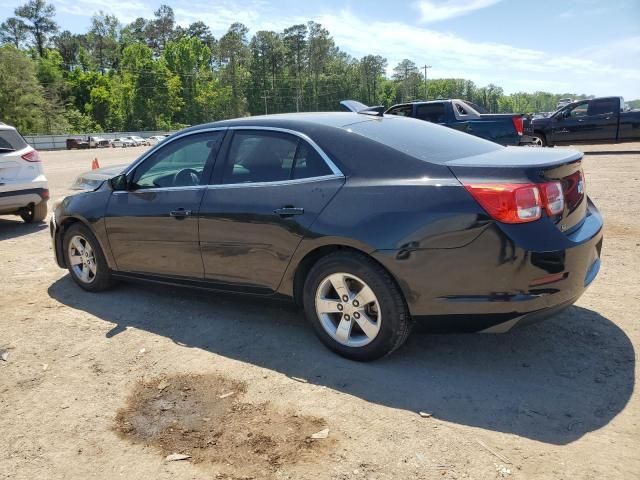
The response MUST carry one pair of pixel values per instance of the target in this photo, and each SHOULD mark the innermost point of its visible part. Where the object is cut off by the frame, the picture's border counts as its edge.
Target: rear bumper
(492, 281)
(14, 200)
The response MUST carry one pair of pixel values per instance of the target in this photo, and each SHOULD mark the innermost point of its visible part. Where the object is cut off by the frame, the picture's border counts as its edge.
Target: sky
(560, 46)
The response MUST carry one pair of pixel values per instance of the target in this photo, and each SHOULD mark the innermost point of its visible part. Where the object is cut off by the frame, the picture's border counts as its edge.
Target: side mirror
(119, 183)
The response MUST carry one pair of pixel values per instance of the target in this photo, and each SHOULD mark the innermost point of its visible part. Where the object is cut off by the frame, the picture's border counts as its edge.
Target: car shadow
(552, 382)
(17, 228)
(613, 152)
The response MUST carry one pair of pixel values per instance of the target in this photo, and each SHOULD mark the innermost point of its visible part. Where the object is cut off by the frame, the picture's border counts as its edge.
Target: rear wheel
(34, 213)
(85, 260)
(538, 140)
(355, 307)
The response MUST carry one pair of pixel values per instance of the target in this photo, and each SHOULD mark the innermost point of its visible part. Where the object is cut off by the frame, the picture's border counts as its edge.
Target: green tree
(13, 31)
(234, 53)
(103, 40)
(39, 21)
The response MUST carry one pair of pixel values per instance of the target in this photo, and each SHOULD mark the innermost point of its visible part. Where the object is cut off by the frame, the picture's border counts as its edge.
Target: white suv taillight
(31, 156)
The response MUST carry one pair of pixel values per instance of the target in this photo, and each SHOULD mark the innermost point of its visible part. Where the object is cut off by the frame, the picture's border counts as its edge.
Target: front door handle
(288, 211)
(180, 213)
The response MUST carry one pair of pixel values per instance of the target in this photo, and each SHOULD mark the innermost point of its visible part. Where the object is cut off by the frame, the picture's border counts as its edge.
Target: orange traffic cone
(95, 164)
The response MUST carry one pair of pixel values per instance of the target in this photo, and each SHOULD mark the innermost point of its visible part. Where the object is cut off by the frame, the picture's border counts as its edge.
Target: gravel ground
(78, 389)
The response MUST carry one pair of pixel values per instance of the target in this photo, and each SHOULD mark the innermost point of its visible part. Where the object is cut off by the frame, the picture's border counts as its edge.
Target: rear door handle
(180, 213)
(288, 211)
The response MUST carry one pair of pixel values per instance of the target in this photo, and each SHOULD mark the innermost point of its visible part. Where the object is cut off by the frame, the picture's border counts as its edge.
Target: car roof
(291, 120)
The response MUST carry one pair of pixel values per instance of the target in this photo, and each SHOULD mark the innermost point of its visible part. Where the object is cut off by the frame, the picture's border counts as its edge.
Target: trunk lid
(531, 165)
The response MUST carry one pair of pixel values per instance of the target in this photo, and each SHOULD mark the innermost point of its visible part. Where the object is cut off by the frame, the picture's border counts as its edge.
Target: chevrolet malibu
(371, 223)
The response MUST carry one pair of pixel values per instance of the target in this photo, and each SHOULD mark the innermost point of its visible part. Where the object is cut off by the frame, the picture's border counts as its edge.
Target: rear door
(153, 227)
(603, 119)
(265, 197)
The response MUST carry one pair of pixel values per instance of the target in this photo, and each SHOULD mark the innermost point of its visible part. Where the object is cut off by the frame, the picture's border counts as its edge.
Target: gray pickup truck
(599, 120)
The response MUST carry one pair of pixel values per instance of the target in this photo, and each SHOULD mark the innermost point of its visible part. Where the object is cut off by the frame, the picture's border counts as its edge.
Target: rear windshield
(11, 140)
(423, 140)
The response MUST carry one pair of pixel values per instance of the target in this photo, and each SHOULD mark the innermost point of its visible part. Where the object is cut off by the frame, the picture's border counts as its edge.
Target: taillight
(553, 198)
(31, 156)
(518, 123)
(508, 202)
(518, 202)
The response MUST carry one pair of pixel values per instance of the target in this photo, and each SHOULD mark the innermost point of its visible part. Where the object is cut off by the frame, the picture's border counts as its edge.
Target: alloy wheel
(348, 309)
(82, 259)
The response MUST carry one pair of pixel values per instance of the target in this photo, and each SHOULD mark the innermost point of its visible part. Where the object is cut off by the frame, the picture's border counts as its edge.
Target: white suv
(24, 190)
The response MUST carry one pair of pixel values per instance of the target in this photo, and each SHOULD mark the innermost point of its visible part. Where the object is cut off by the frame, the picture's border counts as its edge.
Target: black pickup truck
(502, 128)
(599, 120)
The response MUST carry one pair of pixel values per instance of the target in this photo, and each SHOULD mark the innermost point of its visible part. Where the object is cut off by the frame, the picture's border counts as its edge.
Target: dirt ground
(108, 385)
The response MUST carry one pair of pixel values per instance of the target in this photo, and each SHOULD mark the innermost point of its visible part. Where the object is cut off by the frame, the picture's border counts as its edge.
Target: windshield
(423, 140)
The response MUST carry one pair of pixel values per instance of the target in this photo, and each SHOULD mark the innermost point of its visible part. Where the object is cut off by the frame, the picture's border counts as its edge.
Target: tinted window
(260, 157)
(601, 107)
(11, 140)
(402, 111)
(431, 112)
(579, 110)
(178, 164)
(308, 162)
(423, 140)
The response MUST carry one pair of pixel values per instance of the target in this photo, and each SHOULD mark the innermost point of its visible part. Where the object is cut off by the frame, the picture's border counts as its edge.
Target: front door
(153, 226)
(571, 125)
(266, 195)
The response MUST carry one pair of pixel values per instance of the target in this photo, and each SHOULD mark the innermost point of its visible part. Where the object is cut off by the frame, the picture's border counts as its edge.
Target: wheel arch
(64, 225)
(304, 266)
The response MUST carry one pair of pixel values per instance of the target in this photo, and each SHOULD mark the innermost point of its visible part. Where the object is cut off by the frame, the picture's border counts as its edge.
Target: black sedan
(371, 223)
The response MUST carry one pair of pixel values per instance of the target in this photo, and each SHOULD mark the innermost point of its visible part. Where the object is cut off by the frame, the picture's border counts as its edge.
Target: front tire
(539, 140)
(85, 260)
(35, 213)
(355, 306)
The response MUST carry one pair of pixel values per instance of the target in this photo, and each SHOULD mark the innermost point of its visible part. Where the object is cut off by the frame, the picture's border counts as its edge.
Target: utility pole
(265, 96)
(426, 92)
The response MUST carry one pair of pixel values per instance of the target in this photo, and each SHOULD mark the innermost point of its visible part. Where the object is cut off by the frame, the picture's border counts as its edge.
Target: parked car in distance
(598, 120)
(24, 190)
(98, 142)
(138, 141)
(122, 142)
(502, 128)
(76, 143)
(563, 101)
(370, 223)
(154, 139)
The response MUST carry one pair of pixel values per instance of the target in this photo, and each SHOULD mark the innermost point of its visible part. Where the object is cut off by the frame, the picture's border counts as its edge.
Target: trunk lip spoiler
(519, 157)
(357, 107)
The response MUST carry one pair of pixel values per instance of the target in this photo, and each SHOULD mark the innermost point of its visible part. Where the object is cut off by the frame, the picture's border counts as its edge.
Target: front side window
(579, 110)
(180, 163)
(402, 111)
(262, 156)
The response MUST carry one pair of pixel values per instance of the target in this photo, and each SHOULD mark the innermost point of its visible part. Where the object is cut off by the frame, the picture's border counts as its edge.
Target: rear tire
(361, 332)
(85, 260)
(539, 140)
(35, 213)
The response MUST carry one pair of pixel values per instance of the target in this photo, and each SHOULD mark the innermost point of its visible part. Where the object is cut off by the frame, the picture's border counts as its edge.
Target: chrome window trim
(159, 145)
(332, 166)
(161, 189)
(275, 183)
(336, 173)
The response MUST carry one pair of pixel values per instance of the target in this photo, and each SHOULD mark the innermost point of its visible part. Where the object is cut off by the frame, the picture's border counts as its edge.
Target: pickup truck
(599, 120)
(505, 128)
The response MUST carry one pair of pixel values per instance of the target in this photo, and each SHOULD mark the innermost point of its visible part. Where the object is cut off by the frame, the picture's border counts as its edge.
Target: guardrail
(59, 142)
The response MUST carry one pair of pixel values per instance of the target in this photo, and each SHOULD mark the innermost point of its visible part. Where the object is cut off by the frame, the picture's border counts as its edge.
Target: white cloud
(435, 11)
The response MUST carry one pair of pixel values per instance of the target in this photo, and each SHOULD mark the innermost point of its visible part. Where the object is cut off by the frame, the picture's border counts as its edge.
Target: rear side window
(431, 112)
(11, 140)
(423, 140)
(261, 156)
(602, 107)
